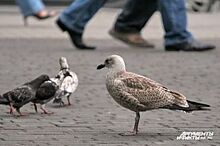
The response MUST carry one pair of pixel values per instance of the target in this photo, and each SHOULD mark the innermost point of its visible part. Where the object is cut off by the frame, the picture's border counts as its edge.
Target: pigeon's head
(39, 80)
(113, 62)
(63, 63)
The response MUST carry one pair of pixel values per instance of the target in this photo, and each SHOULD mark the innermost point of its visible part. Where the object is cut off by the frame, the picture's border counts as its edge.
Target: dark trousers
(136, 14)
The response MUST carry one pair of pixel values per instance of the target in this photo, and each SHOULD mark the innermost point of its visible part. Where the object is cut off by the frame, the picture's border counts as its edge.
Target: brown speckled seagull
(138, 93)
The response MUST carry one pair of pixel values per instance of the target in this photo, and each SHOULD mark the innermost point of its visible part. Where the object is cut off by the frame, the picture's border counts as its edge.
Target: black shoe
(190, 46)
(76, 38)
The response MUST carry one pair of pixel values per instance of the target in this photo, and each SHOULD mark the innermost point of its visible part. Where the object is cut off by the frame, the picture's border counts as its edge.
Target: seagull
(22, 95)
(69, 82)
(139, 93)
(45, 93)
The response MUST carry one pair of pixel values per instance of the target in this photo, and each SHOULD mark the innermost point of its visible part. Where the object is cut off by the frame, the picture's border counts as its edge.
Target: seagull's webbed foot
(130, 133)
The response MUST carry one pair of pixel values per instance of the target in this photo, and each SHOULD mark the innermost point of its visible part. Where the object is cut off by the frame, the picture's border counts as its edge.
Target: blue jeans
(77, 15)
(136, 14)
(30, 7)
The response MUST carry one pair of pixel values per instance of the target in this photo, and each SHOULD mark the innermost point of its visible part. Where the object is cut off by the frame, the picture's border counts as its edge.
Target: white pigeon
(69, 82)
(139, 93)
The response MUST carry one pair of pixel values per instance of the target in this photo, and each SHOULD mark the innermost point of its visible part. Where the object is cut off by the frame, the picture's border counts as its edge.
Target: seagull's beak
(100, 66)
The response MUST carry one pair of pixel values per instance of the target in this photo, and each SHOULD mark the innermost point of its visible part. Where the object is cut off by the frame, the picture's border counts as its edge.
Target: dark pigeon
(22, 95)
(45, 93)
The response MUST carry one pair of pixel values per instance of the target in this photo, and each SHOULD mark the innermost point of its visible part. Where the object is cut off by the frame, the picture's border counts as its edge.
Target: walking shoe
(75, 37)
(190, 46)
(134, 39)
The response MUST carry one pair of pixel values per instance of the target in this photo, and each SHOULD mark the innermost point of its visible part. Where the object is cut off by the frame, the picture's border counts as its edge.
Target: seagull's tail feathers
(197, 106)
(193, 106)
(3, 100)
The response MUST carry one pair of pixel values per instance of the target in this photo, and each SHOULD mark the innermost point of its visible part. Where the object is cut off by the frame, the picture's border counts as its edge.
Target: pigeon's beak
(100, 66)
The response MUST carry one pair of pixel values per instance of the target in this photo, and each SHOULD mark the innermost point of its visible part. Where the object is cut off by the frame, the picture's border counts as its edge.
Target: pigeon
(45, 93)
(139, 93)
(69, 82)
(22, 95)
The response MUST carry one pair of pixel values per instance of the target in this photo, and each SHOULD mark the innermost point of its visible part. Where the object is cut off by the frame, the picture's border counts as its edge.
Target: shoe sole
(169, 49)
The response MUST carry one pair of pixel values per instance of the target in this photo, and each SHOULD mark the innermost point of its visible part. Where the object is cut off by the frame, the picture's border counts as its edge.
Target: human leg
(30, 7)
(177, 37)
(75, 17)
(173, 13)
(131, 20)
(34, 8)
(135, 15)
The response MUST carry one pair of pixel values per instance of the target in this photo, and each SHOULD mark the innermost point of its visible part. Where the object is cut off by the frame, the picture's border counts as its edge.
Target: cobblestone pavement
(94, 118)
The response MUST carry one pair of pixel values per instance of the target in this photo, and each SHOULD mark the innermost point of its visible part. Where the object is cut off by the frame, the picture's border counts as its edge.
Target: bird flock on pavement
(132, 91)
(42, 90)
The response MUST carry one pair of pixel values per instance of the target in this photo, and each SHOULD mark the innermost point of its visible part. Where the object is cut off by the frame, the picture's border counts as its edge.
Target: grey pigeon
(139, 93)
(22, 95)
(45, 93)
(69, 82)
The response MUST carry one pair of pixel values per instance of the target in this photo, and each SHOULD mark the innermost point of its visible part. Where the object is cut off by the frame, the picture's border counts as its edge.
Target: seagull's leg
(135, 130)
(35, 107)
(137, 118)
(44, 110)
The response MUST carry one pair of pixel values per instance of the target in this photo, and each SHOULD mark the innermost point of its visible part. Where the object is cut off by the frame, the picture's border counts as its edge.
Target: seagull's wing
(150, 93)
(143, 81)
(124, 98)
